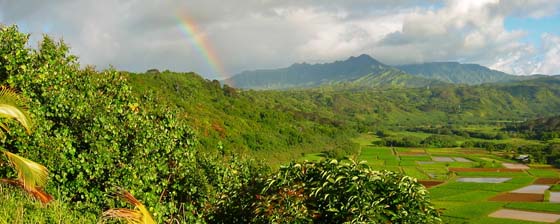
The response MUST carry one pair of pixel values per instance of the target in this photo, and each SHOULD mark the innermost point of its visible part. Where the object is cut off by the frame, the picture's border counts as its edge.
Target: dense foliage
(252, 122)
(333, 192)
(542, 128)
(94, 134)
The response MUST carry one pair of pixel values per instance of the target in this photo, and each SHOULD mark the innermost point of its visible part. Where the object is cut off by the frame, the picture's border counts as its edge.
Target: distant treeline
(542, 128)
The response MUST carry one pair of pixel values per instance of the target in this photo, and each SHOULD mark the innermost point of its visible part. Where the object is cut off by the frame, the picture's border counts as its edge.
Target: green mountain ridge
(393, 78)
(357, 71)
(454, 72)
(365, 71)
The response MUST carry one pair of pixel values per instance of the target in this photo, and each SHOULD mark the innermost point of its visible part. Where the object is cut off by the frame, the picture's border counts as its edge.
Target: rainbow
(191, 30)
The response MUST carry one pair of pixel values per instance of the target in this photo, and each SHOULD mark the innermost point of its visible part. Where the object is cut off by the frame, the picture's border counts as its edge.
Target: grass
(18, 207)
(376, 163)
(491, 174)
(554, 140)
(365, 139)
(470, 196)
(437, 193)
(543, 173)
(392, 168)
(409, 134)
(407, 163)
(313, 157)
(461, 164)
(403, 149)
(521, 180)
(392, 163)
(414, 172)
(503, 187)
(534, 206)
(415, 158)
(555, 188)
(468, 211)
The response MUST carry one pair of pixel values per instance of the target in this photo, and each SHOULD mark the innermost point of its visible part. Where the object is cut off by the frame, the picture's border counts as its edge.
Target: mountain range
(365, 71)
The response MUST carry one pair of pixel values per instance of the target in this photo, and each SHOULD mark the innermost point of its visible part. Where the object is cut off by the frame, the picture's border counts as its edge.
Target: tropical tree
(138, 215)
(31, 175)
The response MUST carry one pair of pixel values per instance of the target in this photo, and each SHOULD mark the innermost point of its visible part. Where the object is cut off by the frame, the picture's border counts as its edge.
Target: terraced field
(473, 186)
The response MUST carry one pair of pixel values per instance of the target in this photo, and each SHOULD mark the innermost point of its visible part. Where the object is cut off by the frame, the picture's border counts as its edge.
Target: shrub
(407, 141)
(94, 134)
(439, 141)
(333, 192)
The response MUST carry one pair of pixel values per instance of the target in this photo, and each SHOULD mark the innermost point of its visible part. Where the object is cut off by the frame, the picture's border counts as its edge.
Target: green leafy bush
(333, 192)
(407, 141)
(94, 134)
(440, 141)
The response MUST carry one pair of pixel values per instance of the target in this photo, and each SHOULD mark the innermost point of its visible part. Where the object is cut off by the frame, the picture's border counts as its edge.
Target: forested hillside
(236, 121)
(322, 119)
(453, 72)
(544, 128)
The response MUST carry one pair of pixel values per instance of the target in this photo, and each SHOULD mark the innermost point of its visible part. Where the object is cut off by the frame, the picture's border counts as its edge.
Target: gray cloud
(138, 35)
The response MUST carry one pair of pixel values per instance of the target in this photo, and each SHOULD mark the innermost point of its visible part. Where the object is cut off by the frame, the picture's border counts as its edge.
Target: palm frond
(37, 193)
(9, 108)
(128, 215)
(32, 175)
(139, 215)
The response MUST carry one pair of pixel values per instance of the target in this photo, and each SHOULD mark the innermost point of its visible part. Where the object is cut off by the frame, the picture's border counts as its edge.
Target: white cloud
(137, 35)
(550, 63)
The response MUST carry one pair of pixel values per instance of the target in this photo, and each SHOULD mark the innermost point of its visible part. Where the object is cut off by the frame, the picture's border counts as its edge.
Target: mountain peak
(363, 58)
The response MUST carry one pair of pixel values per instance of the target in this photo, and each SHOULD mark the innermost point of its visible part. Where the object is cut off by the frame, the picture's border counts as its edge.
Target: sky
(219, 38)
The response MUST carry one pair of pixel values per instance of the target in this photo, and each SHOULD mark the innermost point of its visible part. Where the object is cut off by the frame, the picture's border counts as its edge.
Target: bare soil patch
(525, 215)
(532, 189)
(545, 180)
(442, 159)
(494, 180)
(519, 197)
(417, 150)
(554, 197)
(461, 159)
(515, 166)
(430, 183)
(457, 169)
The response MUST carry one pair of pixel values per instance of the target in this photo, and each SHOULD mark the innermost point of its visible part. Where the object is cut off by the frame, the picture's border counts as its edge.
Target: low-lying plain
(476, 187)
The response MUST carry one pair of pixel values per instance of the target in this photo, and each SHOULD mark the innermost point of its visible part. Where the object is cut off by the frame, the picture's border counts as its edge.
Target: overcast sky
(515, 36)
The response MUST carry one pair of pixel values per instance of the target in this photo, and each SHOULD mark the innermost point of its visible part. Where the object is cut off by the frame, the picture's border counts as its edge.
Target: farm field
(472, 185)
